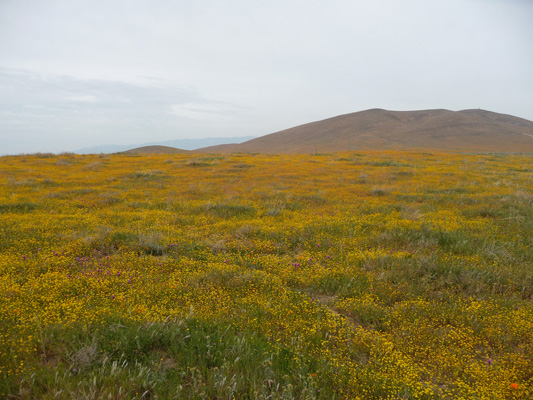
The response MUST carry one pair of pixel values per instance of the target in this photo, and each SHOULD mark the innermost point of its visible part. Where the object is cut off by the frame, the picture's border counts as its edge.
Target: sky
(77, 73)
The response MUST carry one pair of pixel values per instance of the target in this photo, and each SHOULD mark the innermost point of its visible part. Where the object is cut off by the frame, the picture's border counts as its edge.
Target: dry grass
(462, 131)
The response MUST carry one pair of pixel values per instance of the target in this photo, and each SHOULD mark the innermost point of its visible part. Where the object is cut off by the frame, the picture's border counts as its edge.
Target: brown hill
(376, 129)
(156, 150)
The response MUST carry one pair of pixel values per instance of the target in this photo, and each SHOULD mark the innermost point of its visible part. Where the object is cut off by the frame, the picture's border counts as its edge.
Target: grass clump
(24, 207)
(189, 359)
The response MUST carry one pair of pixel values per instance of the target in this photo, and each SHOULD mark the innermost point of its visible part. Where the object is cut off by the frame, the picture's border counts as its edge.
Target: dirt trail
(328, 302)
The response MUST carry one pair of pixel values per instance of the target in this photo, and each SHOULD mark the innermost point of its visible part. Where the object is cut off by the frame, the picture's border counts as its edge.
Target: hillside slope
(467, 130)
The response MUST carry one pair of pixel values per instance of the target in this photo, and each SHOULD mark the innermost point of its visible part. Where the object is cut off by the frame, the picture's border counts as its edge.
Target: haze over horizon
(77, 74)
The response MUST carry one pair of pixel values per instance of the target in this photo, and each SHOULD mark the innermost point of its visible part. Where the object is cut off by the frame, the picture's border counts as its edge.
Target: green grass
(186, 359)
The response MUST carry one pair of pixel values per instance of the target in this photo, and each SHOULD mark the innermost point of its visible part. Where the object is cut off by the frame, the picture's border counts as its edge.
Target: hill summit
(156, 150)
(377, 129)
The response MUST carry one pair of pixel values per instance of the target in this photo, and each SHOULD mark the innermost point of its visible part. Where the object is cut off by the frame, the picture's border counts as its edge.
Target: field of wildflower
(369, 275)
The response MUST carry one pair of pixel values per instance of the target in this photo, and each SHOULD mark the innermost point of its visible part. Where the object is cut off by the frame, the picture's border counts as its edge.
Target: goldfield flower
(375, 274)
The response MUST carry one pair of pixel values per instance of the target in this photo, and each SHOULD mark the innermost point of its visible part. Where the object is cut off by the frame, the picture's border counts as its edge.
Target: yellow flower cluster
(407, 274)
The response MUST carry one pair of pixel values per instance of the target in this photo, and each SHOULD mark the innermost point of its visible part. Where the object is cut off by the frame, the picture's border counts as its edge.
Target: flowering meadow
(368, 275)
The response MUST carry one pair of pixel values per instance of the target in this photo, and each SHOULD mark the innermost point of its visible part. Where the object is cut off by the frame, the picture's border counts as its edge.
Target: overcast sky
(77, 73)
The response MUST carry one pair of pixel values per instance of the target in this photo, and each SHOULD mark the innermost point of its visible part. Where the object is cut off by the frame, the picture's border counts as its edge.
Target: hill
(377, 129)
(156, 150)
(185, 144)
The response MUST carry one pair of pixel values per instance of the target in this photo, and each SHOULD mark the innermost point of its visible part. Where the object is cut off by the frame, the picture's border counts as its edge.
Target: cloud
(214, 112)
(83, 99)
(40, 109)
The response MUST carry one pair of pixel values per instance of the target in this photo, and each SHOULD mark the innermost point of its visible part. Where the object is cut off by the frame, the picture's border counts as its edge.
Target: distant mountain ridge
(185, 144)
(473, 130)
